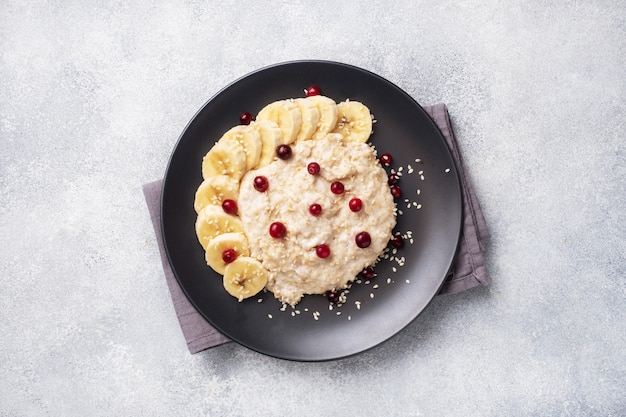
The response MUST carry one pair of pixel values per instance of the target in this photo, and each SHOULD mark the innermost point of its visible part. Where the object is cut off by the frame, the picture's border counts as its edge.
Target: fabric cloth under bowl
(467, 270)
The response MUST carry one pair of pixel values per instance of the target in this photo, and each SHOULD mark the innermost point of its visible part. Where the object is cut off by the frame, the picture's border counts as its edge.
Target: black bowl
(404, 130)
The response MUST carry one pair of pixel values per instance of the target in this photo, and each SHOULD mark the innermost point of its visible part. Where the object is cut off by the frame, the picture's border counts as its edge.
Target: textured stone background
(94, 96)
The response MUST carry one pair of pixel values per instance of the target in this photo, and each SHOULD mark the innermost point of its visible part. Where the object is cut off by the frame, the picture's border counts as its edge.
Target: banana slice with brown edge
(355, 121)
(328, 115)
(214, 190)
(217, 247)
(213, 221)
(310, 118)
(249, 139)
(244, 277)
(286, 114)
(271, 137)
(225, 158)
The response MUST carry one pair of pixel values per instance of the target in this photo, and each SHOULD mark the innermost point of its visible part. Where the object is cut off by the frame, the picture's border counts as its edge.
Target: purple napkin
(467, 271)
(468, 268)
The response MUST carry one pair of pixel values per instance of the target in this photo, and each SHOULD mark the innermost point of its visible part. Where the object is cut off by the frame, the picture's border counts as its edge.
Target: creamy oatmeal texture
(293, 266)
(266, 222)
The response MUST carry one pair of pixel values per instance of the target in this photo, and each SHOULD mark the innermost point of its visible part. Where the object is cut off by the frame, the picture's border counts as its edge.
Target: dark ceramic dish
(402, 129)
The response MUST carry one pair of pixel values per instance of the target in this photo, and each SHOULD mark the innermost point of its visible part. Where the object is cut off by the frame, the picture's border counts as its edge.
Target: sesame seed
(388, 280)
(339, 313)
(293, 314)
(419, 191)
(394, 269)
(422, 177)
(447, 170)
(375, 286)
(371, 295)
(419, 206)
(349, 318)
(269, 315)
(407, 281)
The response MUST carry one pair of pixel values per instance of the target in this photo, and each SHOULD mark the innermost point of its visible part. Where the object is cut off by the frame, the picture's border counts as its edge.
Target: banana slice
(214, 190)
(244, 277)
(271, 137)
(213, 221)
(355, 121)
(310, 118)
(249, 139)
(286, 114)
(328, 115)
(236, 241)
(225, 158)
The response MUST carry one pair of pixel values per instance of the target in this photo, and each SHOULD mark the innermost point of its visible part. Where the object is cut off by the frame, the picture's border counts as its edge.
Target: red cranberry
(261, 183)
(245, 118)
(363, 240)
(396, 191)
(368, 273)
(315, 209)
(284, 152)
(278, 230)
(386, 159)
(313, 168)
(229, 206)
(337, 187)
(397, 241)
(355, 204)
(332, 296)
(393, 179)
(313, 91)
(323, 251)
(229, 255)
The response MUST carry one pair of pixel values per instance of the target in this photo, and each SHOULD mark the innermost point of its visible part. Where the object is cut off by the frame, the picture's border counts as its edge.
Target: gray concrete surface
(93, 97)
